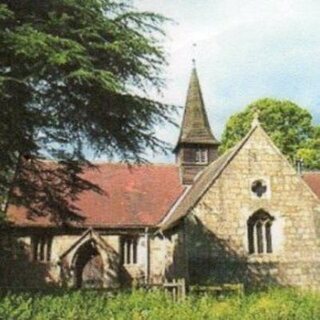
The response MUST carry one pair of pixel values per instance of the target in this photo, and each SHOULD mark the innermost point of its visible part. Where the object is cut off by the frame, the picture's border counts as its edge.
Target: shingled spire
(197, 146)
(195, 125)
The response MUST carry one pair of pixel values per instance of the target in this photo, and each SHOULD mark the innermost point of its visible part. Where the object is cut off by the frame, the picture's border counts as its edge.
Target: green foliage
(310, 151)
(282, 304)
(16, 307)
(71, 70)
(288, 125)
(75, 74)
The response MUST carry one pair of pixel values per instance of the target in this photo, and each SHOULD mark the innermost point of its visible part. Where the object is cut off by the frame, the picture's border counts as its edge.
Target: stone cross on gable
(255, 121)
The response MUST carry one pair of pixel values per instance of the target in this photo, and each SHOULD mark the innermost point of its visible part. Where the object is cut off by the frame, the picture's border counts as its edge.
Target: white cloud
(246, 49)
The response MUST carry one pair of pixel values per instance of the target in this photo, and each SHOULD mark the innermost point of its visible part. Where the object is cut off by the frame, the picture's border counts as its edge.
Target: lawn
(97, 305)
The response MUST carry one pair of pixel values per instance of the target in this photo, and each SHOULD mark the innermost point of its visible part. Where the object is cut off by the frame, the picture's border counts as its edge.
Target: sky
(246, 50)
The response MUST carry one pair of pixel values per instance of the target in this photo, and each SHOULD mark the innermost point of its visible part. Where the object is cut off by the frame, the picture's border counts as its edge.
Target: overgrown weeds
(140, 305)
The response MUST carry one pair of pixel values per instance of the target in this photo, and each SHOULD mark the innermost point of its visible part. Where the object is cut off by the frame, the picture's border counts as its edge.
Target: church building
(246, 216)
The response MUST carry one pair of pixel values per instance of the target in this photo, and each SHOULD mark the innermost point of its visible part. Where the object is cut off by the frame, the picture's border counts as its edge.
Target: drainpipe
(147, 262)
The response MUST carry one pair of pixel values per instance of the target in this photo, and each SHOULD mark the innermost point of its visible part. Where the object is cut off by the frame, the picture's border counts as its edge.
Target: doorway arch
(88, 266)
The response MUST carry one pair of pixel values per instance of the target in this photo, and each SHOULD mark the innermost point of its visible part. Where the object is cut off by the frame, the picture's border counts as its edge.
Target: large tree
(75, 73)
(289, 126)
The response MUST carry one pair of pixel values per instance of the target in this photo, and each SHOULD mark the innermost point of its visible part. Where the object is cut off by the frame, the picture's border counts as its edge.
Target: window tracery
(259, 188)
(260, 233)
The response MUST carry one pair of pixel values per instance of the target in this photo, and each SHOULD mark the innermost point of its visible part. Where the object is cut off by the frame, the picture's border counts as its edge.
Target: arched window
(260, 232)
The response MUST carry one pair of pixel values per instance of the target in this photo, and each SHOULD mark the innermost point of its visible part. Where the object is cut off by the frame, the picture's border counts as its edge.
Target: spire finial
(194, 45)
(255, 121)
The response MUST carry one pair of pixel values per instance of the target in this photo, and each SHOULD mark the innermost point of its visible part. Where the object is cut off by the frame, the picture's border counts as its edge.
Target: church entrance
(88, 266)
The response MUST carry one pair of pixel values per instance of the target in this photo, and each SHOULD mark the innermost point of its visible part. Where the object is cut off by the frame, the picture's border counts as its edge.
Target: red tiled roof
(313, 180)
(135, 196)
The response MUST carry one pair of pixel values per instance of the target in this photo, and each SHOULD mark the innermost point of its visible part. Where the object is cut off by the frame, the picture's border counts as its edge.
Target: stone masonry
(160, 264)
(217, 230)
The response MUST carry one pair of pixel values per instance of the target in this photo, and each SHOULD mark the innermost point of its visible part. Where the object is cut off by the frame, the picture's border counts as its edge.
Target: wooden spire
(195, 125)
(196, 146)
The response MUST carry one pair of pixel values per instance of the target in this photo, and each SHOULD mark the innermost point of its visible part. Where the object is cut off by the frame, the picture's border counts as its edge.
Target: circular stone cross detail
(259, 188)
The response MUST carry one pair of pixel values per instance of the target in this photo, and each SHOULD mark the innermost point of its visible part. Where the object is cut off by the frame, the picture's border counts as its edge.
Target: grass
(139, 305)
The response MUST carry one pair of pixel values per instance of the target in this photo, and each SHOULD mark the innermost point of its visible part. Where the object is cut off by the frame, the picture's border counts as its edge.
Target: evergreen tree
(75, 73)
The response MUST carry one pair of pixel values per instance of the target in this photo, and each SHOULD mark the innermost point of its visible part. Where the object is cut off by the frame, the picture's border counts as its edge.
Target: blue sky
(246, 50)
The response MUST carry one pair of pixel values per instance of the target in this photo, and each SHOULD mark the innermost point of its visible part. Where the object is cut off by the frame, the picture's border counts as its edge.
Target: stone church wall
(30, 273)
(167, 256)
(164, 251)
(217, 230)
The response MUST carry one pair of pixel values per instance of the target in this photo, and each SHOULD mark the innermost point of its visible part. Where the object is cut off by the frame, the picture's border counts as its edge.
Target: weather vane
(194, 45)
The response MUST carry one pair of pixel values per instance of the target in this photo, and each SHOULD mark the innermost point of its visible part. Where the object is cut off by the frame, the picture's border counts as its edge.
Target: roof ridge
(52, 161)
(138, 164)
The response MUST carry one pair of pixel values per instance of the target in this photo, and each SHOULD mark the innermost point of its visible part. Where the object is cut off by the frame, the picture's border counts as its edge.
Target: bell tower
(197, 146)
